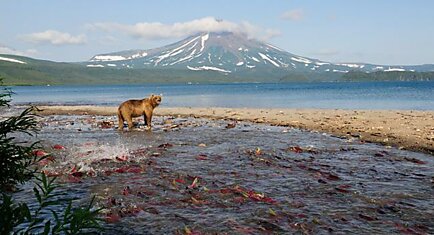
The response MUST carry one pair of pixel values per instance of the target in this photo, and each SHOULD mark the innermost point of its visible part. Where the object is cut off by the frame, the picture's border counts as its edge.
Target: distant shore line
(410, 130)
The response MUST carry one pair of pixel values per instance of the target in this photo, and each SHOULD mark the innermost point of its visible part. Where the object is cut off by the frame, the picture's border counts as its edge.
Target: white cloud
(156, 30)
(293, 15)
(7, 50)
(55, 37)
(256, 32)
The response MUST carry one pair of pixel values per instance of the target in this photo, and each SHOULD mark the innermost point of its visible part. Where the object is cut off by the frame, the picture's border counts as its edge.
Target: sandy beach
(412, 130)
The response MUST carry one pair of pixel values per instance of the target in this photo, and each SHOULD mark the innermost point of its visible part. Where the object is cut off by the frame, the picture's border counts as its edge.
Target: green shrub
(18, 218)
(17, 166)
(16, 157)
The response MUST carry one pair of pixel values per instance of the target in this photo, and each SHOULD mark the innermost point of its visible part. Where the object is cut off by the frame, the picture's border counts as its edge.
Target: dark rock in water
(231, 125)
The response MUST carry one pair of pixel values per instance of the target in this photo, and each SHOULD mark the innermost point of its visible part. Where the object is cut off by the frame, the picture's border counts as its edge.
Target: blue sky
(398, 32)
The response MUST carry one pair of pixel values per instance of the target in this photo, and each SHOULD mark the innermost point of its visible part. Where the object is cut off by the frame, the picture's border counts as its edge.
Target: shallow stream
(215, 176)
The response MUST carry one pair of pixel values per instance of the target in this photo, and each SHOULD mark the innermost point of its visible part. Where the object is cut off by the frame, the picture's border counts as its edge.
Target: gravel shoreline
(411, 130)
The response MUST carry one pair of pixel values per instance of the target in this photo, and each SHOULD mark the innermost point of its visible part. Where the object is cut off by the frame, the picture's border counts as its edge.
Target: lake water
(351, 95)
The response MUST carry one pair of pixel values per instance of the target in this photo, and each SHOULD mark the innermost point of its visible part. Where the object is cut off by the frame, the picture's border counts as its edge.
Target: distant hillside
(388, 76)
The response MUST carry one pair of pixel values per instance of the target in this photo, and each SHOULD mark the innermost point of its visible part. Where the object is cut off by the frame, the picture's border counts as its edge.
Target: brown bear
(135, 108)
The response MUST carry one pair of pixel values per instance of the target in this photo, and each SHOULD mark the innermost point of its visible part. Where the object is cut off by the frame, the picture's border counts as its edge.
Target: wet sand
(412, 130)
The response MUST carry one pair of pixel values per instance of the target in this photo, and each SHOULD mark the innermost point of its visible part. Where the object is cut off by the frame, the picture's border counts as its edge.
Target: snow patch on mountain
(255, 59)
(394, 70)
(351, 65)
(208, 68)
(138, 55)
(268, 59)
(176, 51)
(113, 58)
(203, 40)
(340, 71)
(274, 47)
(12, 60)
(95, 66)
(189, 57)
(108, 58)
(301, 60)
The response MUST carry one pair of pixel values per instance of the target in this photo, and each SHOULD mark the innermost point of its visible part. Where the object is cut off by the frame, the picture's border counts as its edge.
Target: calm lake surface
(351, 95)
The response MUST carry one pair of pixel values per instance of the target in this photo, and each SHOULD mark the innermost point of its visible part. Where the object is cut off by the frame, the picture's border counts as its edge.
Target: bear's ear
(152, 95)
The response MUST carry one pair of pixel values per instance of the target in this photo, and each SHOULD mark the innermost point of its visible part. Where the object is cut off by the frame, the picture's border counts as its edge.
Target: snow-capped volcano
(226, 52)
